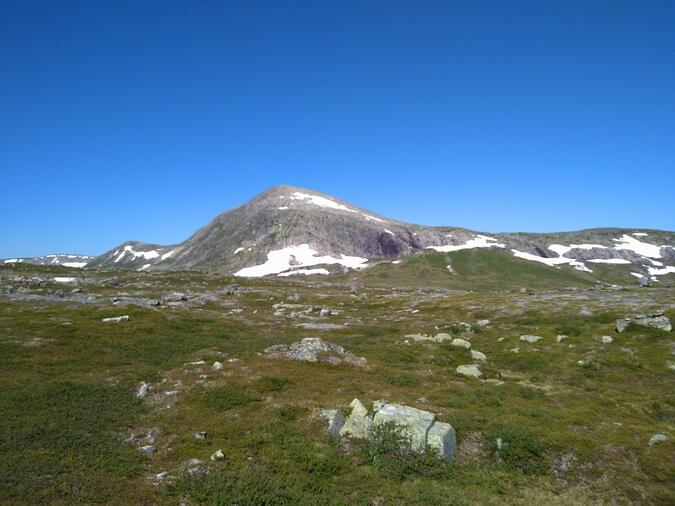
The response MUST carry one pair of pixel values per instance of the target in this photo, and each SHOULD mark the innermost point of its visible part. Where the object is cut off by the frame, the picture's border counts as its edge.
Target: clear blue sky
(143, 120)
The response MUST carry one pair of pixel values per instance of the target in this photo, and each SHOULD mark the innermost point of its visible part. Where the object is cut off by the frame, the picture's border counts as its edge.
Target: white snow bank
(297, 256)
(561, 249)
(639, 234)
(144, 267)
(13, 260)
(320, 201)
(147, 255)
(63, 279)
(331, 204)
(626, 242)
(168, 254)
(551, 261)
(480, 241)
(306, 272)
(617, 261)
(655, 271)
(238, 250)
(77, 265)
(389, 232)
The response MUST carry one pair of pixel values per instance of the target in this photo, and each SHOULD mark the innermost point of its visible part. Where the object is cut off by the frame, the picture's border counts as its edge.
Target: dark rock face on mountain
(288, 230)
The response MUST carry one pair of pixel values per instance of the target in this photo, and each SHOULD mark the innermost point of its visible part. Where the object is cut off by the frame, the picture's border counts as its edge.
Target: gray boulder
(359, 422)
(469, 370)
(336, 420)
(654, 320)
(461, 343)
(315, 349)
(415, 422)
(441, 439)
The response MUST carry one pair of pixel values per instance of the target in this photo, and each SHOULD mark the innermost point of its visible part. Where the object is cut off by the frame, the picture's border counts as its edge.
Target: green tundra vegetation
(563, 420)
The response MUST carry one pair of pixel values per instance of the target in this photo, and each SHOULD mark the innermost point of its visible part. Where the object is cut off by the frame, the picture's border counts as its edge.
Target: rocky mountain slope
(288, 230)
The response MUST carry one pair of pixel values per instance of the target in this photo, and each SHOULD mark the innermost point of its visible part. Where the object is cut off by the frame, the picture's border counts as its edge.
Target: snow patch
(626, 242)
(306, 272)
(168, 254)
(553, 262)
(639, 234)
(389, 232)
(63, 279)
(297, 256)
(283, 208)
(654, 271)
(77, 265)
(561, 250)
(147, 255)
(238, 250)
(617, 261)
(13, 261)
(480, 241)
(331, 204)
(145, 267)
(320, 201)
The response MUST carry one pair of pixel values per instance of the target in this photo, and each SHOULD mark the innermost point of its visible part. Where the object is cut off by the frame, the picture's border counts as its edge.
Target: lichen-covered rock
(359, 422)
(477, 355)
(414, 421)
(469, 370)
(438, 338)
(654, 320)
(315, 349)
(657, 438)
(336, 420)
(461, 343)
(441, 439)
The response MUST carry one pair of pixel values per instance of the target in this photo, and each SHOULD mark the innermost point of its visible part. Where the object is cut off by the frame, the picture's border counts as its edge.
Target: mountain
(63, 259)
(288, 230)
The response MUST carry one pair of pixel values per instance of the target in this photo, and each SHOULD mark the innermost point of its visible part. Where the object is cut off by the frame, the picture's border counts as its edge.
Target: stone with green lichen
(414, 421)
(359, 423)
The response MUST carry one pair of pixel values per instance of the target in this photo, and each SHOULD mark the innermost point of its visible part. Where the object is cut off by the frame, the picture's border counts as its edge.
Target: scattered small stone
(482, 323)
(515, 350)
(559, 338)
(148, 449)
(461, 343)
(464, 327)
(469, 370)
(218, 455)
(174, 297)
(142, 390)
(328, 311)
(115, 319)
(657, 438)
(530, 339)
(606, 339)
(438, 338)
(217, 366)
(200, 436)
(477, 355)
